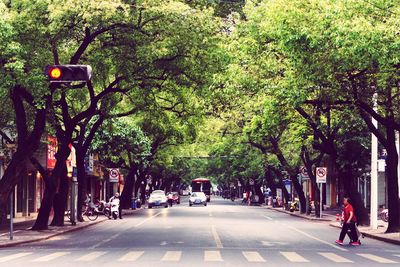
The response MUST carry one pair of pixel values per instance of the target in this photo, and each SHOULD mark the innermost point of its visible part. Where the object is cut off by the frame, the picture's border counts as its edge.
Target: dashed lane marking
(294, 257)
(334, 257)
(14, 256)
(212, 255)
(51, 256)
(131, 256)
(91, 256)
(375, 258)
(172, 256)
(253, 256)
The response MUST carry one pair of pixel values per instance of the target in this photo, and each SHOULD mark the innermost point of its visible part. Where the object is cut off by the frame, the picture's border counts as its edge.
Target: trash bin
(134, 203)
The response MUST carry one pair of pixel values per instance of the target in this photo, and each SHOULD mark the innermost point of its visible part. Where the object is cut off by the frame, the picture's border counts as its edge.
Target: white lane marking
(293, 257)
(91, 256)
(212, 255)
(267, 217)
(51, 256)
(334, 257)
(397, 255)
(216, 237)
(315, 238)
(148, 219)
(131, 256)
(104, 241)
(375, 258)
(14, 256)
(253, 256)
(172, 256)
(210, 214)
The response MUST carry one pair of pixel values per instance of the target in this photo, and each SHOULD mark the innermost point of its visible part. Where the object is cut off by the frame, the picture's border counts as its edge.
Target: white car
(157, 198)
(198, 198)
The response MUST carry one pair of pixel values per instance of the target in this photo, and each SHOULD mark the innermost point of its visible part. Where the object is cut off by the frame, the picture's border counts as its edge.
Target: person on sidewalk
(349, 223)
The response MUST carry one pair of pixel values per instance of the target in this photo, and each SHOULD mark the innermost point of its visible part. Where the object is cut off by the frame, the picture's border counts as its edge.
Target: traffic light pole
(374, 175)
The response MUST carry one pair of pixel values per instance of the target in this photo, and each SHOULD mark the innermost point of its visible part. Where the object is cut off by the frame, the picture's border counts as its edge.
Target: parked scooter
(294, 205)
(114, 206)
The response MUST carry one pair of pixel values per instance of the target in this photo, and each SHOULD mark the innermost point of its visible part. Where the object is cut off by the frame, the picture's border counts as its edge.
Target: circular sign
(251, 182)
(304, 171)
(114, 173)
(321, 172)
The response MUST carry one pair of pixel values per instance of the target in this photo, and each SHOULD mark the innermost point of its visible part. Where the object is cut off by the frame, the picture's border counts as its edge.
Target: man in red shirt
(349, 223)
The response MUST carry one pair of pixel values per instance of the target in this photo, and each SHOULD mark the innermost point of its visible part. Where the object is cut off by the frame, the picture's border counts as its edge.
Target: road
(222, 234)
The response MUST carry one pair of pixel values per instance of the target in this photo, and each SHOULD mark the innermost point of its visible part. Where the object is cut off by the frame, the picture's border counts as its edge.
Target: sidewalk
(23, 235)
(330, 217)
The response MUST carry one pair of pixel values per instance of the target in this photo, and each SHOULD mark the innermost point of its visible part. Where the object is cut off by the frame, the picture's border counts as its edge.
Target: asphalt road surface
(222, 234)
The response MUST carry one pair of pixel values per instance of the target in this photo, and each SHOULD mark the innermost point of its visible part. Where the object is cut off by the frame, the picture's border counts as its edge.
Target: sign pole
(320, 200)
(12, 215)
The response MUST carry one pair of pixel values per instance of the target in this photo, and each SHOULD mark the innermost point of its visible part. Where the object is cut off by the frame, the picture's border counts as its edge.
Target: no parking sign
(114, 175)
(321, 174)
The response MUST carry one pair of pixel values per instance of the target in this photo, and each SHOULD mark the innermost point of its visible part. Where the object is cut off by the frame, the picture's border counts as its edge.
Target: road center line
(148, 219)
(216, 237)
(315, 238)
(267, 217)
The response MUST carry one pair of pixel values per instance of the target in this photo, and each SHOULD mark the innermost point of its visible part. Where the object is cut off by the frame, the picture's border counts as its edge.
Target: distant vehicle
(202, 185)
(175, 197)
(198, 198)
(157, 198)
(185, 192)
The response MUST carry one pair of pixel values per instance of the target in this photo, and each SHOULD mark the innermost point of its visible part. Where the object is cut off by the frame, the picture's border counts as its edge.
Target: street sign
(304, 173)
(251, 182)
(321, 175)
(114, 175)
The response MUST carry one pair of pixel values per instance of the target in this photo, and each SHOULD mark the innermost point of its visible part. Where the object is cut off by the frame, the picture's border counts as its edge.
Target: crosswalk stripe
(293, 257)
(334, 257)
(131, 256)
(51, 256)
(14, 256)
(253, 256)
(212, 255)
(172, 256)
(375, 258)
(91, 256)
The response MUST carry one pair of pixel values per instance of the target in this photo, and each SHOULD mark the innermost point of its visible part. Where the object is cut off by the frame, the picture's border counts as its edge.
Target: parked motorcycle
(114, 209)
(294, 205)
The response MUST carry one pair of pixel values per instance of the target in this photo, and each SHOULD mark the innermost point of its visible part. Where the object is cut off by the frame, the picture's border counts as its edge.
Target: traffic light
(68, 73)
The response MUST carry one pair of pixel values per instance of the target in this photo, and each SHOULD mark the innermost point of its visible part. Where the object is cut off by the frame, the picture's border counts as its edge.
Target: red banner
(51, 152)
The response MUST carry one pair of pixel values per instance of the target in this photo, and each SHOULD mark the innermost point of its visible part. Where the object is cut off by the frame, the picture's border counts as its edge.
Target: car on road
(198, 198)
(157, 198)
(176, 198)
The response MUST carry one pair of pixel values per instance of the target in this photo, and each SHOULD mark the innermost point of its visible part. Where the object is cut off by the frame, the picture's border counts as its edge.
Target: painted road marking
(131, 256)
(148, 219)
(212, 255)
(91, 256)
(104, 241)
(267, 217)
(315, 238)
(14, 256)
(172, 256)
(216, 237)
(375, 258)
(334, 257)
(293, 257)
(253, 256)
(51, 256)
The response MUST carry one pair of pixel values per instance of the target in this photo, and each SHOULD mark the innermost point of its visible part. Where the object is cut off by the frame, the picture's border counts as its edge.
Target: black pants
(353, 232)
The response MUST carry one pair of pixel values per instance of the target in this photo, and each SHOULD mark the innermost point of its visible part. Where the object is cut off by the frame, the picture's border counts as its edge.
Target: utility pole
(374, 175)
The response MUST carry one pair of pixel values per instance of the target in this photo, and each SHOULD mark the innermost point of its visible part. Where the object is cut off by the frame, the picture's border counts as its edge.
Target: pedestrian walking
(349, 224)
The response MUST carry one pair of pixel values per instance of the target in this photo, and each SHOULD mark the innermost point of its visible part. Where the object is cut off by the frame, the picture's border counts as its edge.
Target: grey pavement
(222, 234)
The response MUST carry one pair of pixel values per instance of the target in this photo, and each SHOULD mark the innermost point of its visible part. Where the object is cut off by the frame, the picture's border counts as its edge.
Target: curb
(16, 243)
(372, 236)
(77, 228)
(301, 216)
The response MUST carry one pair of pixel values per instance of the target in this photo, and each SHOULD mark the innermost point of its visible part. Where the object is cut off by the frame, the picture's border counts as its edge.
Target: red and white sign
(321, 173)
(114, 176)
(51, 152)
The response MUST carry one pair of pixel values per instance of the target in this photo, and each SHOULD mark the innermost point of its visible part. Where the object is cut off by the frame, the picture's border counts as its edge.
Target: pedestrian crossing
(217, 255)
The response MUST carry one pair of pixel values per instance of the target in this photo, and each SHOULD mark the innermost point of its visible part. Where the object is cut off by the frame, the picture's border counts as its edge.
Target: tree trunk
(82, 181)
(60, 199)
(299, 189)
(127, 193)
(51, 184)
(392, 182)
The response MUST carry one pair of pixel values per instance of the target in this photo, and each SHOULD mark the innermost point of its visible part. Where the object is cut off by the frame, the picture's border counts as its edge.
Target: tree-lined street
(222, 234)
